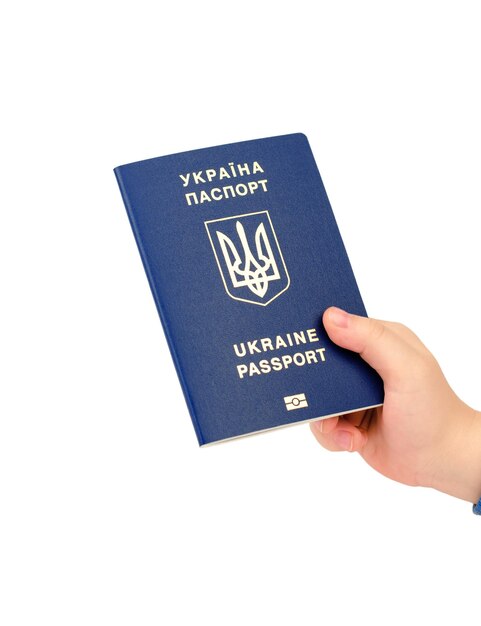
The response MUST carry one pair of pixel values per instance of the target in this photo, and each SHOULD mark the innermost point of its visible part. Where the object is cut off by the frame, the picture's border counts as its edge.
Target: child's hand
(424, 434)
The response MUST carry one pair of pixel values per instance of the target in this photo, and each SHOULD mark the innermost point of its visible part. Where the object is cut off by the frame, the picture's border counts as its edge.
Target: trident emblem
(249, 269)
(255, 273)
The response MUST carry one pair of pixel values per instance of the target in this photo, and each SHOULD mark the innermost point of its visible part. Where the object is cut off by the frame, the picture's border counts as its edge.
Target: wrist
(460, 471)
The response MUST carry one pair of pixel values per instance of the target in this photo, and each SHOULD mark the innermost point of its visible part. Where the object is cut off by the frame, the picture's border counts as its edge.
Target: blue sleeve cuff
(477, 508)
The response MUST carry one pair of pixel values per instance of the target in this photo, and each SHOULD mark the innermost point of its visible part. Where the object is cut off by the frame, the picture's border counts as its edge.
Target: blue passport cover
(243, 255)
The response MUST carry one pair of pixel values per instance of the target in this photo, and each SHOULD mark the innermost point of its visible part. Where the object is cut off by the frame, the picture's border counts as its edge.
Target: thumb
(385, 350)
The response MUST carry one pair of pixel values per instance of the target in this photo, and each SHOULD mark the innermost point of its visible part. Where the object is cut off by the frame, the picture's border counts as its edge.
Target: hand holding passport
(243, 254)
(423, 434)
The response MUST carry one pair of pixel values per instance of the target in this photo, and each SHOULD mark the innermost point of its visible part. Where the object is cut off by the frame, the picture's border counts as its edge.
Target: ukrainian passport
(243, 256)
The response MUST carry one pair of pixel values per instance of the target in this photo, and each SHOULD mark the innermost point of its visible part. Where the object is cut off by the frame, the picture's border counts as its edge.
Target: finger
(385, 350)
(344, 437)
(355, 418)
(326, 425)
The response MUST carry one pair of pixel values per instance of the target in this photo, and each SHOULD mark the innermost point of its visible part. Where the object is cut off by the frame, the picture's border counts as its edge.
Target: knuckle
(401, 328)
(376, 329)
(424, 364)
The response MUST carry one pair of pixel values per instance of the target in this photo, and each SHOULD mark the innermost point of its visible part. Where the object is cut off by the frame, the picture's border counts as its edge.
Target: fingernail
(343, 439)
(318, 425)
(338, 317)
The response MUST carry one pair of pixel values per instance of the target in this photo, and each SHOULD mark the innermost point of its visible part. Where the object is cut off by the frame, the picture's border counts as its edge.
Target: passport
(243, 256)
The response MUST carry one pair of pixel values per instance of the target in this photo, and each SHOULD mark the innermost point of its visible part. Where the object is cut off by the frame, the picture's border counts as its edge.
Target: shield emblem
(249, 257)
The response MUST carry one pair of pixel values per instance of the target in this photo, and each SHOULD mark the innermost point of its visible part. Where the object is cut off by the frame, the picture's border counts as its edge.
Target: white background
(109, 512)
